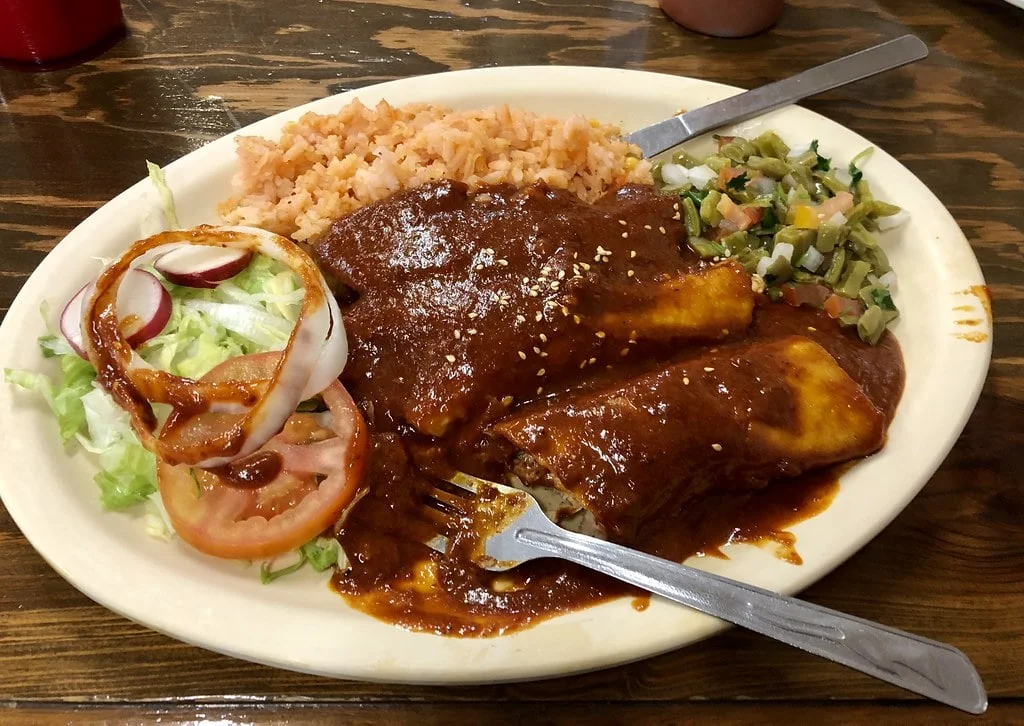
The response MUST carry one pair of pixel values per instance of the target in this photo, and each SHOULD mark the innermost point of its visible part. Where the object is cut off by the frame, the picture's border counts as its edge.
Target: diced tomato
(798, 294)
(736, 216)
(754, 214)
(727, 174)
(321, 471)
(841, 202)
(837, 305)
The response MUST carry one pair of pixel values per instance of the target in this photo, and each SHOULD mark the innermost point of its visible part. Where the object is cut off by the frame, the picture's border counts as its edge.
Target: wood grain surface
(950, 567)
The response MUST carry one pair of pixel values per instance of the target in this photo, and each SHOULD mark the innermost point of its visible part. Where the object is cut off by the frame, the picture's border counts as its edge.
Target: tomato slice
(322, 469)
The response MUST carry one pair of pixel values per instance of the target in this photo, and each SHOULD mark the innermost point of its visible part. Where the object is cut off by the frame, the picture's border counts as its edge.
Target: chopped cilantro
(822, 164)
(737, 183)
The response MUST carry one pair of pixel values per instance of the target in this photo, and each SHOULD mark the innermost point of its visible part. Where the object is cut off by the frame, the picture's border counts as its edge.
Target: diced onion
(889, 280)
(837, 219)
(701, 175)
(811, 259)
(674, 175)
(762, 266)
(783, 249)
(762, 186)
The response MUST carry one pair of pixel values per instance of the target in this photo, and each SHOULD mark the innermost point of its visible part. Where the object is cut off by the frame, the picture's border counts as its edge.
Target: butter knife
(671, 132)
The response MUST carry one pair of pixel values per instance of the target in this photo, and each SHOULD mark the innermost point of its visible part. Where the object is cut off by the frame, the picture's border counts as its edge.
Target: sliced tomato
(321, 471)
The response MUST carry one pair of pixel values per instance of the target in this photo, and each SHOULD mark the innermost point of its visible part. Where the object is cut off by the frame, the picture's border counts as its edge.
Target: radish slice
(143, 307)
(202, 266)
(71, 321)
(313, 358)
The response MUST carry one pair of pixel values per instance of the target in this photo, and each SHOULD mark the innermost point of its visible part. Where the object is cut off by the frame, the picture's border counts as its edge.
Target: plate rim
(704, 626)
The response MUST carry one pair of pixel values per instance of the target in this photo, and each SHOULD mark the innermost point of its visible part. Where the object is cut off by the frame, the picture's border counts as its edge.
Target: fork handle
(927, 667)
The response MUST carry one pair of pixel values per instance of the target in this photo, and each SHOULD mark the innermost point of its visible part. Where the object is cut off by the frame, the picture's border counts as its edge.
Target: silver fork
(513, 529)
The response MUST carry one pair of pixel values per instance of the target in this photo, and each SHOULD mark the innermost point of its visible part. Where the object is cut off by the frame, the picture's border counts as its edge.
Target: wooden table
(950, 567)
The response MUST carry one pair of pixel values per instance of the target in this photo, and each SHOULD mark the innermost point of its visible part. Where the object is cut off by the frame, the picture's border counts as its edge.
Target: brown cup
(724, 18)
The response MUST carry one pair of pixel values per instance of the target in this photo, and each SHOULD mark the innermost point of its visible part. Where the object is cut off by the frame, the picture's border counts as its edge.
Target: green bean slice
(691, 217)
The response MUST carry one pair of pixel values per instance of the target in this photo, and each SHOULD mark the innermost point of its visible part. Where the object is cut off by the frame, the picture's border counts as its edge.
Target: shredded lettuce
(321, 554)
(252, 313)
(156, 175)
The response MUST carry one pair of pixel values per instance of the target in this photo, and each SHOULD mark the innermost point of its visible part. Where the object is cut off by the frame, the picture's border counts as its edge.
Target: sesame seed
(624, 352)
(522, 355)
(661, 229)
(630, 273)
(632, 254)
(565, 311)
(597, 258)
(533, 293)
(546, 269)
(543, 354)
(576, 319)
(686, 381)
(458, 334)
(583, 365)
(716, 258)
(561, 274)
(599, 334)
(543, 338)
(540, 372)
(622, 222)
(479, 267)
(540, 390)
(473, 316)
(575, 255)
(507, 400)
(585, 266)
(503, 263)
(625, 235)
(536, 350)
(647, 226)
(526, 280)
(555, 284)
(471, 331)
(708, 369)
(520, 318)
(676, 216)
(539, 316)
(632, 335)
(450, 358)
(602, 251)
(494, 296)
(676, 206)
(811, 328)
(592, 361)
(487, 251)
(716, 447)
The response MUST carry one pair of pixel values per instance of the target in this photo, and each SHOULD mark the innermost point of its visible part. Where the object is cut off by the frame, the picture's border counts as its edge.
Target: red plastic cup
(48, 34)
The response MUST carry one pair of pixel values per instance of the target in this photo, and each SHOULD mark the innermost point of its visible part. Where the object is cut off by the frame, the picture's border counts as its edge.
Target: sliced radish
(143, 307)
(71, 321)
(202, 266)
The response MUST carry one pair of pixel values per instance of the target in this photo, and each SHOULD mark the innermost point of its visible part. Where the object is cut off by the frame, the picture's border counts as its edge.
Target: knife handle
(865, 63)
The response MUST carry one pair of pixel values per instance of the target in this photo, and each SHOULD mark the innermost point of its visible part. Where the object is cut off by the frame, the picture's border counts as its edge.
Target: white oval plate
(297, 623)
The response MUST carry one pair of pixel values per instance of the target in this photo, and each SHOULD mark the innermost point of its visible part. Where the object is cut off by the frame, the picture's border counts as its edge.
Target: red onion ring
(312, 359)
